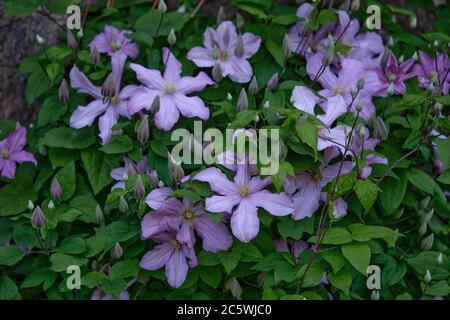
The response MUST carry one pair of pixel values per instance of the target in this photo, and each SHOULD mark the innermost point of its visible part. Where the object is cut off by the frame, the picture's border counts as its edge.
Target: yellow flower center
(223, 55)
(176, 245)
(114, 100)
(243, 191)
(339, 90)
(5, 154)
(392, 77)
(188, 215)
(169, 89)
(115, 45)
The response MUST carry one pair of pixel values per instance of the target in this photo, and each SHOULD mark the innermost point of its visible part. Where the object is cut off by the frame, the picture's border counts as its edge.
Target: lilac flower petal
(82, 84)
(157, 200)
(202, 57)
(339, 208)
(167, 115)
(156, 222)
(186, 235)
(176, 269)
(142, 98)
(152, 79)
(85, 116)
(172, 70)
(215, 236)
(245, 221)
(117, 64)
(306, 201)
(242, 176)
(228, 32)
(336, 106)
(16, 140)
(217, 180)
(157, 257)
(277, 204)
(328, 80)
(188, 85)
(8, 169)
(257, 184)
(106, 122)
(23, 156)
(304, 99)
(251, 44)
(337, 136)
(238, 70)
(221, 203)
(191, 107)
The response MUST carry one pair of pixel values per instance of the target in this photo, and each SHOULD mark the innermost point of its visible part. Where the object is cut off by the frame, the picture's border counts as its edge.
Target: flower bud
(413, 22)
(391, 41)
(217, 72)
(440, 259)
(426, 218)
(436, 43)
(125, 177)
(427, 278)
(359, 106)
(239, 49)
(55, 189)
(30, 205)
(99, 214)
(175, 169)
(380, 130)
(63, 92)
(242, 103)
(253, 86)
(221, 15)
(43, 149)
(172, 38)
(384, 57)
(95, 56)
(423, 228)
(229, 96)
(425, 202)
(123, 205)
(427, 243)
(273, 82)
(117, 251)
(362, 132)
(143, 132)
(139, 189)
(353, 91)
(80, 33)
(155, 105)
(109, 88)
(240, 22)
(162, 7)
(415, 56)
(329, 53)
(38, 218)
(266, 105)
(51, 205)
(285, 48)
(355, 5)
(161, 184)
(401, 59)
(234, 287)
(39, 39)
(72, 42)
(360, 84)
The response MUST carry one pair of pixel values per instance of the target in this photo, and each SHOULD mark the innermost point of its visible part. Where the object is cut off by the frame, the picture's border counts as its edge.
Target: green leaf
(10, 255)
(98, 167)
(61, 261)
(284, 271)
(289, 228)
(207, 259)
(269, 262)
(37, 84)
(342, 280)
(392, 192)
(52, 110)
(14, 198)
(308, 133)
(424, 182)
(72, 245)
(188, 194)
(94, 279)
(443, 147)
(118, 144)
(68, 138)
(358, 254)
(159, 148)
(336, 235)
(334, 258)
(363, 233)
(8, 289)
(66, 178)
(149, 22)
(229, 260)
(313, 276)
(211, 275)
(59, 157)
(38, 277)
(440, 288)
(426, 260)
(243, 118)
(125, 269)
(367, 192)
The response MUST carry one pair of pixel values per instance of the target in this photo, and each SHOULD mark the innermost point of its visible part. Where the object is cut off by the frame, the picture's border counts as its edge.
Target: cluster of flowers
(349, 83)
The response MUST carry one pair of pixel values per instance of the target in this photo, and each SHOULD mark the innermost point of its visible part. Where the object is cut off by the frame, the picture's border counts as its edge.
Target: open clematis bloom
(306, 189)
(229, 50)
(114, 41)
(242, 197)
(11, 152)
(189, 218)
(172, 253)
(108, 110)
(392, 75)
(172, 90)
(131, 168)
(429, 78)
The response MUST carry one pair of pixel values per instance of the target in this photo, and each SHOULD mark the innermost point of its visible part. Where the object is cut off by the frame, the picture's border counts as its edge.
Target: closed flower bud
(221, 15)
(30, 205)
(273, 81)
(55, 189)
(63, 92)
(391, 41)
(155, 105)
(380, 130)
(353, 91)
(95, 56)
(234, 287)
(359, 106)
(38, 218)
(117, 251)
(139, 189)
(283, 150)
(80, 33)
(413, 22)
(161, 184)
(42, 149)
(39, 40)
(425, 202)
(355, 5)
(253, 86)
(384, 57)
(51, 205)
(362, 132)
(360, 84)
(266, 105)
(240, 22)
(109, 88)
(427, 243)
(239, 49)
(423, 228)
(143, 132)
(285, 48)
(229, 97)
(217, 72)
(427, 278)
(329, 53)
(415, 56)
(242, 103)
(175, 169)
(426, 218)
(162, 7)
(440, 259)
(436, 43)
(172, 38)
(123, 205)
(99, 214)
(72, 42)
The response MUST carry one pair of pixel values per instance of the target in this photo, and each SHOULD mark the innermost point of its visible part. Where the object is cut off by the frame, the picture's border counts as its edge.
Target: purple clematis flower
(182, 214)
(358, 145)
(429, 78)
(108, 110)
(172, 90)
(393, 75)
(11, 152)
(227, 49)
(132, 168)
(338, 87)
(247, 194)
(306, 189)
(171, 253)
(113, 41)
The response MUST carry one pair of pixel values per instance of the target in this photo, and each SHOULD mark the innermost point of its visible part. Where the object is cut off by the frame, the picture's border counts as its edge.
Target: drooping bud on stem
(55, 189)
(143, 132)
(360, 84)
(329, 53)
(172, 38)
(427, 278)
(285, 48)
(162, 6)
(273, 81)
(63, 92)
(175, 169)
(239, 21)
(39, 39)
(242, 103)
(221, 15)
(30, 205)
(139, 189)
(123, 204)
(117, 251)
(51, 205)
(38, 218)
(253, 86)
(380, 130)
(427, 243)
